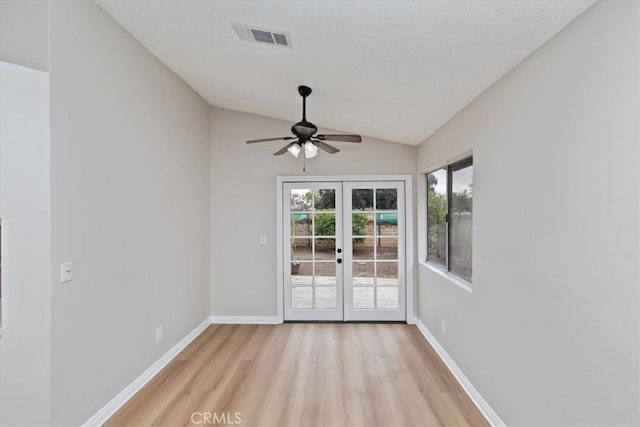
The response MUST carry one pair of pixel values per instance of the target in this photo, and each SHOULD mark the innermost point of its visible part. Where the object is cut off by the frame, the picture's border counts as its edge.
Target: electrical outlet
(159, 334)
(443, 327)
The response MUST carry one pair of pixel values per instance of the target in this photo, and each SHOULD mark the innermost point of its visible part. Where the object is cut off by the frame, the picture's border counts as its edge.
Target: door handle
(339, 260)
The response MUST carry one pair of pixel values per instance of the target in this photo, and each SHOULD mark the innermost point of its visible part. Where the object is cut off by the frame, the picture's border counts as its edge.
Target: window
(437, 216)
(450, 217)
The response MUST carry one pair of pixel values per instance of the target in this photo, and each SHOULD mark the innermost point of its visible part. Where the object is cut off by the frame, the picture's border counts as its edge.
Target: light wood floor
(308, 374)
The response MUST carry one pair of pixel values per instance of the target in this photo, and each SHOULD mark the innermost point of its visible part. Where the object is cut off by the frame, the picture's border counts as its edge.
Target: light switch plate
(263, 239)
(65, 272)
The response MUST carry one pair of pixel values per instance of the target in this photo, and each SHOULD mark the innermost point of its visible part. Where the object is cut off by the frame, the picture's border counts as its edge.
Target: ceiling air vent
(262, 35)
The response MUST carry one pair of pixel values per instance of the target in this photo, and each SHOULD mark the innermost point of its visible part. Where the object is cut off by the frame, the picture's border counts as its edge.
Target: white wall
(549, 335)
(25, 208)
(130, 208)
(24, 33)
(243, 197)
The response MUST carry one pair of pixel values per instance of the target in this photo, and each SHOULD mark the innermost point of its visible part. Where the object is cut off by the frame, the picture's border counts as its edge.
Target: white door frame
(409, 249)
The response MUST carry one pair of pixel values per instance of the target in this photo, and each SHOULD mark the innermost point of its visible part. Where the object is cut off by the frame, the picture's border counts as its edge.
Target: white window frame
(441, 270)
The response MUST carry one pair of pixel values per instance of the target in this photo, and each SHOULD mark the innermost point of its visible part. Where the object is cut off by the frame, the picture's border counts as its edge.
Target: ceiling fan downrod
(304, 91)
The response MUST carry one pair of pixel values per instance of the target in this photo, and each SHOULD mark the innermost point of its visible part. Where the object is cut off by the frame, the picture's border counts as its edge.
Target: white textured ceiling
(394, 70)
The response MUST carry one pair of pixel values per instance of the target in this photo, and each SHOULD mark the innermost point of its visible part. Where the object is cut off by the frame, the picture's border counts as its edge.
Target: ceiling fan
(305, 135)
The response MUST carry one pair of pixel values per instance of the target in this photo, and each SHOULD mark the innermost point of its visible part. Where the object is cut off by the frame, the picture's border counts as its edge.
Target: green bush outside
(359, 226)
(325, 225)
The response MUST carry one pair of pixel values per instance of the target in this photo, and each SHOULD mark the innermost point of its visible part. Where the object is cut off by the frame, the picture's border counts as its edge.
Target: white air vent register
(262, 35)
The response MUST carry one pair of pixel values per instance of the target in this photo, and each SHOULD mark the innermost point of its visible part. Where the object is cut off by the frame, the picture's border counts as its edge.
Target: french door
(313, 253)
(344, 251)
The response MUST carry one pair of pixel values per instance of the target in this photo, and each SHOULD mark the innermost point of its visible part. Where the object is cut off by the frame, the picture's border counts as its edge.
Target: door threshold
(345, 322)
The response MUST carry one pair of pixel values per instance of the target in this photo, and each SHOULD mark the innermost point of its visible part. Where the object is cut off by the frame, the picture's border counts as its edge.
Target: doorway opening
(344, 250)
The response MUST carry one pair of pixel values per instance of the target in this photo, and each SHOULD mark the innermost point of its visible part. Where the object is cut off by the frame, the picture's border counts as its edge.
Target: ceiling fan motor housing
(304, 129)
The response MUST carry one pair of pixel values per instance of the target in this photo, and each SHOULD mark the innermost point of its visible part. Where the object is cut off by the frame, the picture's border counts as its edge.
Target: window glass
(362, 199)
(324, 199)
(461, 219)
(436, 216)
(386, 199)
(300, 200)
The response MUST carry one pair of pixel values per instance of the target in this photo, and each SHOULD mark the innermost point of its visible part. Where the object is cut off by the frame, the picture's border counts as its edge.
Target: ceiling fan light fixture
(294, 150)
(310, 150)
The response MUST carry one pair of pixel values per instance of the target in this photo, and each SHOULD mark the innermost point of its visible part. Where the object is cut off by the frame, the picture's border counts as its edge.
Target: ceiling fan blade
(282, 138)
(344, 138)
(326, 147)
(284, 149)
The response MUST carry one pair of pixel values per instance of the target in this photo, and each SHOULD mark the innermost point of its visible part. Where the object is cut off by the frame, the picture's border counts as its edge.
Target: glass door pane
(374, 251)
(313, 283)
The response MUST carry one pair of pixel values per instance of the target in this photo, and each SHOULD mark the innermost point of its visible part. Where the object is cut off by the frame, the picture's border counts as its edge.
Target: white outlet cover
(66, 273)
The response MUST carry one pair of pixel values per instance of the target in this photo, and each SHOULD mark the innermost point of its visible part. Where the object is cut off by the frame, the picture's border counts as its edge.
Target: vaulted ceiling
(394, 70)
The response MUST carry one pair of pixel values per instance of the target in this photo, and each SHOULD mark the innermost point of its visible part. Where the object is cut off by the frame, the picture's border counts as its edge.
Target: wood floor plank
(304, 374)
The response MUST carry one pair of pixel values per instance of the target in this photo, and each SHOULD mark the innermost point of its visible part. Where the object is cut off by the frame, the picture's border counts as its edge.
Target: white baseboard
(471, 391)
(123, 397)
(253, 320)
